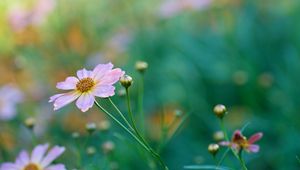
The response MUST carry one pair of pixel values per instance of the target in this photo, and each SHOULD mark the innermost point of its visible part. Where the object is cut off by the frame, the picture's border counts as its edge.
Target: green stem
(234, 153)
(141, 142)
(240, 156)
(120, 113)
(141, 103)
(129, 110)
(124, 127)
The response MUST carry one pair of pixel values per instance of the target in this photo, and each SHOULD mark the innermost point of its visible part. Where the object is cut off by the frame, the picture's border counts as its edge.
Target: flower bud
(213, 149)
(29, 122)
(218, 136)
(108, 147)
(90, 150)
(220, 110)
(126, 81)
(141, 66)
(90, 127)
(104, 125)
(75, 135)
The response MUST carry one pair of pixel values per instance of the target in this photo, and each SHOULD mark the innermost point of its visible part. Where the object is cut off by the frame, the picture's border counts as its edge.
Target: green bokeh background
(244, 54)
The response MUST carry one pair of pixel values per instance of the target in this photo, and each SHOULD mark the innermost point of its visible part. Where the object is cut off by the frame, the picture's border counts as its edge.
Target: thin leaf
(245, 126)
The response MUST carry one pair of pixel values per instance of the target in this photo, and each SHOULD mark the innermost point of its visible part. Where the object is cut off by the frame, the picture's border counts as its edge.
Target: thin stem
(129, 110)
(141, 103)
(120, 113)
(140, 141)
(124, 127)
(227, 139)
(223, 157)
(243, 164)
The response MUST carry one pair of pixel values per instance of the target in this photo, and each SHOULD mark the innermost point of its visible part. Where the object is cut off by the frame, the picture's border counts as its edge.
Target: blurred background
(244, 54)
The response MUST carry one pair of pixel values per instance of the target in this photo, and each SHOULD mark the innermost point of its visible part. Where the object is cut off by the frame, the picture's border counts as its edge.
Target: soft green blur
(244, 54)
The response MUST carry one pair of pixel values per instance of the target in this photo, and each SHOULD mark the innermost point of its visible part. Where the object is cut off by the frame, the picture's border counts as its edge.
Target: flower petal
(56, 167)
(112, 77)
(101, 69)
(255, 138)
(65, 99)
(68, 84)
(54, 97)
(9, 166)
(84, 73)
(7, 110)
(38, 153)
(104, 91)
(85, 101)
(252, 148)
(225, 143)
(23, 158)
(55, 152)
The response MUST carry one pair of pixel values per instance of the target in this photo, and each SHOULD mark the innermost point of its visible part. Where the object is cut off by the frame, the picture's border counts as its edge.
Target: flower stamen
(85, 84)
(31, 166)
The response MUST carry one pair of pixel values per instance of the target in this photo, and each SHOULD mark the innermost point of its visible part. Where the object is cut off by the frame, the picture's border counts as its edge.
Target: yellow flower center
(85, 84)
(31, 166)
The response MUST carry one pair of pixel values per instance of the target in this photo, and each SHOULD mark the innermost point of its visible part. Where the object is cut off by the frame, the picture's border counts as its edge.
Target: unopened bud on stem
(126, 81)
(220, 110)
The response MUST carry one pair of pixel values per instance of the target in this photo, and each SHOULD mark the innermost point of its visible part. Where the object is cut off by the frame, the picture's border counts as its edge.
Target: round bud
(218, 136)
(75, 135)
(108, 147)
(29, 122)
(141, 66)
(90, 150)
(104, 125)
(126, 81)
(213, 149)
(220, 110)
(90, 127)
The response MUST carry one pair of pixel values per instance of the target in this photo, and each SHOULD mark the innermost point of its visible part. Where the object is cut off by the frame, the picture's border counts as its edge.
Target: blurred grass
(242, 53)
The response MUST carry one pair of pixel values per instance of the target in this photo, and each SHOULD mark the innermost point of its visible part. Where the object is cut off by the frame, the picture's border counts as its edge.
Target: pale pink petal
(53, 98)
(68, 84)
(112, 77)
(225, 143)
(85, 102)
(9, 166)
(255, 138)
(104, 91)
(38, 153)
(56, 167)
(23, 158)
(7, 111)
(65, 99)
(55, 152)
(252, 148)
(100, 70)
(84, 73)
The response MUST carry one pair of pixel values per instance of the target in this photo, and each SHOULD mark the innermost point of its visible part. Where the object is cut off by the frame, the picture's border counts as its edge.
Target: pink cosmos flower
(9, 98)
(21, 18)
(86, 86)
(239, 142)
(38, 160)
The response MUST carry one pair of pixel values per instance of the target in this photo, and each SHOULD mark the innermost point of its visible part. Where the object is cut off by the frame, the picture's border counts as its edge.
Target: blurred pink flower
(239, 142)
(10, 96)
(89, 84)
(170, 8)
(38, 160)
(20, 18)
